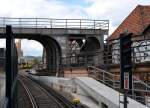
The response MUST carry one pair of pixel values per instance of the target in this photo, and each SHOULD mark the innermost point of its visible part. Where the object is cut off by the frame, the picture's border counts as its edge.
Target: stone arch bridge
(67, 42)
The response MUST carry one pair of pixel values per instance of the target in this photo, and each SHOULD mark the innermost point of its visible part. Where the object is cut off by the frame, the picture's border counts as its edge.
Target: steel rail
(58, 97)
(50, 94)
(31, 98)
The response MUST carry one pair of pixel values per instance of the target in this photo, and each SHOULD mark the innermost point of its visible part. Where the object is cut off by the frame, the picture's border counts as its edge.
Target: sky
(113, 10)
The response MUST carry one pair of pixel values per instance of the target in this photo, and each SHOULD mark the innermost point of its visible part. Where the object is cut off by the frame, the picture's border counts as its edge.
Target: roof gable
(135, 22)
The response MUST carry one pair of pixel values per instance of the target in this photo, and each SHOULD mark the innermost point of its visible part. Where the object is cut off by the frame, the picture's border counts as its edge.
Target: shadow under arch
(91, 44)
(90, 51)
(53, 51)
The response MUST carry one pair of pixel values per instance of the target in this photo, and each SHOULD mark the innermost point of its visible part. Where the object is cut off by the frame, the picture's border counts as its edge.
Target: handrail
(135, 79)
(55, 23)
(104, 76)
(105, 73)
(109, 80)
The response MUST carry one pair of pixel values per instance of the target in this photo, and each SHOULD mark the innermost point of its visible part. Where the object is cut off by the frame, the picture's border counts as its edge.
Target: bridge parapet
(54, 23)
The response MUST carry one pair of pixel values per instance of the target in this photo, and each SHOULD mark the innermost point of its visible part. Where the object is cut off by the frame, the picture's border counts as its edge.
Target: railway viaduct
(66, 41)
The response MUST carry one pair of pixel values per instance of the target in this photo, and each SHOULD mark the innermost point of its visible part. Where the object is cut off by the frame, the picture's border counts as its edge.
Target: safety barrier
(54, 23)
(140, 91)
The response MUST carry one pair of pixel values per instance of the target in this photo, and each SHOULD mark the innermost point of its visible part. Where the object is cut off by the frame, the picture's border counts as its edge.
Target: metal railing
(113, 81)
(105, 77)
(138, 96)
(54, 23)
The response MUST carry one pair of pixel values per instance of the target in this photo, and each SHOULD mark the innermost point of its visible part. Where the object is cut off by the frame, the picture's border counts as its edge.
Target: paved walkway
(85, 87)
(104, 94)
(86, 100)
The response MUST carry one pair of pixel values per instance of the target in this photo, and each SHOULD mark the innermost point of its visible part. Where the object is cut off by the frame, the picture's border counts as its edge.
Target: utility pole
(125, 65)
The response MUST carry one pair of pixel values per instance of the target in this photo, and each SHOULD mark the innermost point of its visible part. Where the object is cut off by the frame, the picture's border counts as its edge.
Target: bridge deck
(48, 26)
(54, 31)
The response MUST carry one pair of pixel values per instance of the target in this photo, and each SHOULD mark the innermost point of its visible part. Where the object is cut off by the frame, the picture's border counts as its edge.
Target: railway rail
(25, 98)
(39, 97)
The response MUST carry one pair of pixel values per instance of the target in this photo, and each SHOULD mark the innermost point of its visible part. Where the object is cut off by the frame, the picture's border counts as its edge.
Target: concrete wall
(88, 87)
(67, 85)
(103, 94)
(61, 84)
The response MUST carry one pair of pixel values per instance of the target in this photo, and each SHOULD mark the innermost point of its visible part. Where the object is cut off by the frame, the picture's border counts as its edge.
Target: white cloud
(114, 10)
(38, 8)
(31, 47)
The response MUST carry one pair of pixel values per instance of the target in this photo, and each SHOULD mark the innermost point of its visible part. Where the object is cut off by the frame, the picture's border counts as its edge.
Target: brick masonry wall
(80, 72)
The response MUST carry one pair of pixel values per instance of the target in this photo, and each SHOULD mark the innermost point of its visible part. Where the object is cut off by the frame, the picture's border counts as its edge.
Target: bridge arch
(90, 51)
(52, 48)
(91, 44)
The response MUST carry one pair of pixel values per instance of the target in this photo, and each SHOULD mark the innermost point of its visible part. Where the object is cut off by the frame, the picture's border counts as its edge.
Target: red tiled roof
(135, 22)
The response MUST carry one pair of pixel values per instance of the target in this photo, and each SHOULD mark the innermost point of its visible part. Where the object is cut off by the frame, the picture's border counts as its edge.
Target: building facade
(136, 22)
(19, 50)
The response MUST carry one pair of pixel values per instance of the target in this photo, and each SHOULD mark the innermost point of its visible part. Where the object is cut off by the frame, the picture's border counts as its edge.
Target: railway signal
(125, 64)
(126, 59)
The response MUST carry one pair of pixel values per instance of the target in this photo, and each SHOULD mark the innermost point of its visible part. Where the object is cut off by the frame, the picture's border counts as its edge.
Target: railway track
(63, 100)
(25, 98)
(39, 97)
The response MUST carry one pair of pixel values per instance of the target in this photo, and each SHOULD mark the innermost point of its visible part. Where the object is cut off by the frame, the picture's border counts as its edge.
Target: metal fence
(54, 23)
(139, 95)
(140, 91)
(105, 77)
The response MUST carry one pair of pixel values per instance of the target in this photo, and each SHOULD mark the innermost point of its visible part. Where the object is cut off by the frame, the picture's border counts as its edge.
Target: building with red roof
(135, 23)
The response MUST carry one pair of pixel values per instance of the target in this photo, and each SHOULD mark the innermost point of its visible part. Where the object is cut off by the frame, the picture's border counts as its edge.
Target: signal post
(125, 65)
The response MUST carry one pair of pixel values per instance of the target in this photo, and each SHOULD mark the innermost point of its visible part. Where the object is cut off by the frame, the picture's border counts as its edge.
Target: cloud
(38, 8)
(31, 47)
(116, 11)
(113, 10)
